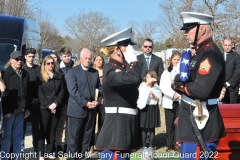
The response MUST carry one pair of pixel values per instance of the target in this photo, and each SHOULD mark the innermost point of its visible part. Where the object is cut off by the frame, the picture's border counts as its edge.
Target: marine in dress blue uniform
(207, 71)
(120, 81)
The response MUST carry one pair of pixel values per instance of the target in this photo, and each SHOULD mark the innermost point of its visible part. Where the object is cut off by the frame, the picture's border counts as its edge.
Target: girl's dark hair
(152, 73)
(174, 53)
(58, 60)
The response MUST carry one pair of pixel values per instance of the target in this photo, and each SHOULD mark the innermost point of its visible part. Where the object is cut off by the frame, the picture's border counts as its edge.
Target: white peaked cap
(191, 17)
(120, 38)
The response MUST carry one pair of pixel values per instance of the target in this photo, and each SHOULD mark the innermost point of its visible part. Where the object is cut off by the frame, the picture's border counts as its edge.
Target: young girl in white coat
(149, 97)
(170, 100)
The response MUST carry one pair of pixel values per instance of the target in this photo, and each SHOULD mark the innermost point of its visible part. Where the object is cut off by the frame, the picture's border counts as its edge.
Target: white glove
(130, 54)
(174, 72)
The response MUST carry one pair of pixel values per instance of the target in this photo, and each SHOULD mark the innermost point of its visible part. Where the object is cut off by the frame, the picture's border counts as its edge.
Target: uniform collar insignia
(203, 44)
(117, 63)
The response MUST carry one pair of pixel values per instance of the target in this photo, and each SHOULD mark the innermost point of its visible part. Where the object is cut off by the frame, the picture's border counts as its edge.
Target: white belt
(213, 101)
(121, 110)
(201, 124)
(188, 100)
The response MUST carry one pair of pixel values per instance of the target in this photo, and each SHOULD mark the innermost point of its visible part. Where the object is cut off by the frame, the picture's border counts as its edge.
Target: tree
(50, 34)
(171, 20)
(168, 43)
(88, 29)
(225, 12)
(21, 8)
(226, 23)
(143, 30)
(72, 44)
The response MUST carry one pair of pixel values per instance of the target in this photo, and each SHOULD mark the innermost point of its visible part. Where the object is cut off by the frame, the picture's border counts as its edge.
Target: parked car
(46, 52)
(74, 58)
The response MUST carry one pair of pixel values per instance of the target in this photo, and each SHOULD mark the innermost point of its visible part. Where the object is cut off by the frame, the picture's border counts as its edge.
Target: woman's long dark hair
(174, 53)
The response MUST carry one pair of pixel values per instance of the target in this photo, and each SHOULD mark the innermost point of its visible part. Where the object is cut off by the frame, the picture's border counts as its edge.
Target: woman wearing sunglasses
(51, 92)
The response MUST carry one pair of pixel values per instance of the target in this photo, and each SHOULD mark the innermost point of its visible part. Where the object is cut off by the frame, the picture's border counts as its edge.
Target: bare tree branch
(21, 8)
(50, 34)
(146, 29)
(88, 29)
(226, 18)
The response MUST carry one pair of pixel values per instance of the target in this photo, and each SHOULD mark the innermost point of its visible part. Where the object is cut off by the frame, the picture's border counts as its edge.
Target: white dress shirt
(165, 86)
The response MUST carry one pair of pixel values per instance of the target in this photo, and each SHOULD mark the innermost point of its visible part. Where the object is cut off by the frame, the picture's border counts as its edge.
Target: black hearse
(17, 34)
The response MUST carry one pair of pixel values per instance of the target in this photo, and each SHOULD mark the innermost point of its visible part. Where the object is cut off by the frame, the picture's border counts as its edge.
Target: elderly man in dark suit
(232, 76)
(82, 83)
(149, 60)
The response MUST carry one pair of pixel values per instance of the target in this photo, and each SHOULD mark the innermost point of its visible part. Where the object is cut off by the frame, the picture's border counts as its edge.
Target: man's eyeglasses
(147, 46)
(18, 59)
(48, 63)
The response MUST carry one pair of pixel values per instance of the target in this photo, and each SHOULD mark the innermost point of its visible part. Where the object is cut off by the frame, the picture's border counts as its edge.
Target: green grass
(158, 159)
(163, 156)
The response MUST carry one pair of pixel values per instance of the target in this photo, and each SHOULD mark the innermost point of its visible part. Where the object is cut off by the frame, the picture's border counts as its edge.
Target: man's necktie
(227, 53)
(148, 63)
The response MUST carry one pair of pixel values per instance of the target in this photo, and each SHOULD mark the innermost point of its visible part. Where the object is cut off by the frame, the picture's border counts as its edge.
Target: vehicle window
(6, 49)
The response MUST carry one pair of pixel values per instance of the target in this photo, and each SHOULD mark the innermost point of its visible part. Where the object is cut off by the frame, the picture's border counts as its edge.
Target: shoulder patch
(193, 64)
(205, 67)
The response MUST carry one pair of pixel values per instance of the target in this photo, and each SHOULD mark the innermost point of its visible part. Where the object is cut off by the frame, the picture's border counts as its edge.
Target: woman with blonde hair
(121, 78)
(51, 93)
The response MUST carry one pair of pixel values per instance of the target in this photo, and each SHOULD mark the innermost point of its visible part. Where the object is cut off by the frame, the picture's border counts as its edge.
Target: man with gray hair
(200, 125)
(85, 93)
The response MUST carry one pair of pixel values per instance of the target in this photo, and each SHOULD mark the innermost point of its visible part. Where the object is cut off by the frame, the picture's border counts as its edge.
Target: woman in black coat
(51, 92)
